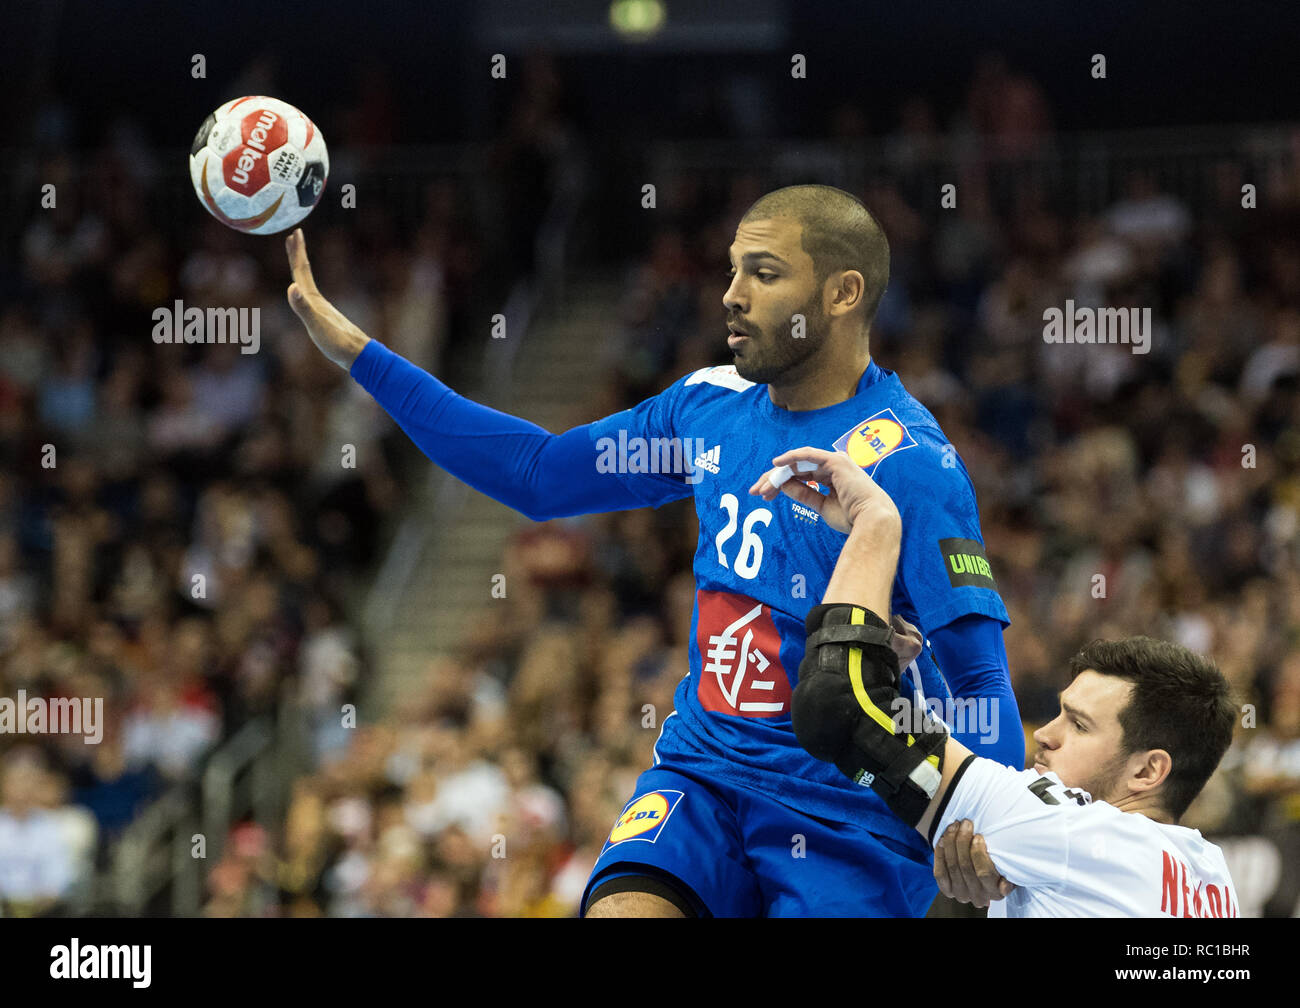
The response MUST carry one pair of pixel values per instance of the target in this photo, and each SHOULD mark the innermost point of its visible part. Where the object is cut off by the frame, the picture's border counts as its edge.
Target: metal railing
(152, 854)
(1082, 172)
(159, 863)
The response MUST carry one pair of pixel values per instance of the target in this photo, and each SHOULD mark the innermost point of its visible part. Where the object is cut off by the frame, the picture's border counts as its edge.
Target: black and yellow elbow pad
(847, 710)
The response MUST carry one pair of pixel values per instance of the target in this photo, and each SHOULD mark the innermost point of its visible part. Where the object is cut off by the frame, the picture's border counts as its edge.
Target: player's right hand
(963, 868)
(335, 337)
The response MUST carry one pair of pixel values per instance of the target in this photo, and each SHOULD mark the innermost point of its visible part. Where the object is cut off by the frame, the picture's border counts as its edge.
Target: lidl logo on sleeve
(644, 817)
(871, 440)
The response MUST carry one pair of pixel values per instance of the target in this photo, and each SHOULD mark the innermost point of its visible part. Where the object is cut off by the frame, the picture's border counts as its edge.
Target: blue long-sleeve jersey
(759, 566)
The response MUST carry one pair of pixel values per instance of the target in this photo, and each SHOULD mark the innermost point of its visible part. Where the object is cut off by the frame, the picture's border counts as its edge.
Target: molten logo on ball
(252, 155)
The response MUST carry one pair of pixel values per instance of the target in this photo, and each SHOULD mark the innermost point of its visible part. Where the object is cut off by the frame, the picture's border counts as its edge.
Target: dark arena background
(338, 682)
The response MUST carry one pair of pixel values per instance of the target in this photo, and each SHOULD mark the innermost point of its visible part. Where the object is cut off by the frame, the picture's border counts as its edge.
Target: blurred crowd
(1120, 493)
(183, 528)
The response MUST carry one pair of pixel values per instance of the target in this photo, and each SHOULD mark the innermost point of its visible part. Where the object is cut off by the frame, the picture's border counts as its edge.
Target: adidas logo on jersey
(709, 460)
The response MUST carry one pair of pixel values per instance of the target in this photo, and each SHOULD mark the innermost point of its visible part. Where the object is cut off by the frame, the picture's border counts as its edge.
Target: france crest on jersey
(760, 566)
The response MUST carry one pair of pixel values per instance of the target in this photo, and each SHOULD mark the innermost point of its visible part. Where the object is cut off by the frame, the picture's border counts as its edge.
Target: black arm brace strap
(847, 710)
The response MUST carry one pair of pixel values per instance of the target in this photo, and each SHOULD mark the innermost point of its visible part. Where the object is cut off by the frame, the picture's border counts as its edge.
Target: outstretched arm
(540, 474)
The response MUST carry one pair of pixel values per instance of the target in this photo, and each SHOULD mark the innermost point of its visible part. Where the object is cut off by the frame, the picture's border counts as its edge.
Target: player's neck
(1145, 806)
(820, 382)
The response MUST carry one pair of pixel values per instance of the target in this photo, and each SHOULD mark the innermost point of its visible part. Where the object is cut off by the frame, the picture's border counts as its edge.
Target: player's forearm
(954, 758)
(847, 710)
(864, 573)
(540, 474)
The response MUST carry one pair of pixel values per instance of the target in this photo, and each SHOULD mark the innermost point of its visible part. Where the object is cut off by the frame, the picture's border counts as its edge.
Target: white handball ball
(258, 165)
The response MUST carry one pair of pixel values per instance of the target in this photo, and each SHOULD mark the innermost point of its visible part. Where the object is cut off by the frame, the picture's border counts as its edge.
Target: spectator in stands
(38, 864)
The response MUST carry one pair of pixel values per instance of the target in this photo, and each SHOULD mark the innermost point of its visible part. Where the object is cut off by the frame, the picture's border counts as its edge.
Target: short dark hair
(839, 233)
(1180, 703)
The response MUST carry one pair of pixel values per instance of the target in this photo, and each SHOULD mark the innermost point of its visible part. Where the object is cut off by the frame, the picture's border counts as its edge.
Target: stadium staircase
(435, 580)
(438, 576)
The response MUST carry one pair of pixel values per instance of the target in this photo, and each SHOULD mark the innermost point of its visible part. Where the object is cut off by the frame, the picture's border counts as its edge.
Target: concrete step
(464, 535)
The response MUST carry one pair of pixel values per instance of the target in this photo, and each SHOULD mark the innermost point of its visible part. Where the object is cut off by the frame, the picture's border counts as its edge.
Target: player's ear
(1150, 770)
(847, 288)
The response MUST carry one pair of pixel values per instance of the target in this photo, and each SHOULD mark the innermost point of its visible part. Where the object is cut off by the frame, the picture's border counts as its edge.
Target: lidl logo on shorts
(644, 817)
(875, 437)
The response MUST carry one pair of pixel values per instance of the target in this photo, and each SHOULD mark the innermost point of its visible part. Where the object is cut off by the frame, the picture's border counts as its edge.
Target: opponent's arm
(540, 474)
(943, 573)
(846, 708)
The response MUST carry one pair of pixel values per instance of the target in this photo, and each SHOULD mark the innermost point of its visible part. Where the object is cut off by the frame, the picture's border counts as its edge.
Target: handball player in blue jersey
(734, 818)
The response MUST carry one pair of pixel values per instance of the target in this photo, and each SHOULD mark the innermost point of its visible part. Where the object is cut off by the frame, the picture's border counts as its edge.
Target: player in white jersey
(1093, 829)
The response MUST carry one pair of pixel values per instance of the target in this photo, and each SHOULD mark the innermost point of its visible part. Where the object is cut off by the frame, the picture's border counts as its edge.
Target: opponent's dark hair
(1180, 703)
(839, 233)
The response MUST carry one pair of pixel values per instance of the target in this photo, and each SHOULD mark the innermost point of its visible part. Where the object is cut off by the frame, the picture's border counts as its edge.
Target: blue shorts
(737, 853)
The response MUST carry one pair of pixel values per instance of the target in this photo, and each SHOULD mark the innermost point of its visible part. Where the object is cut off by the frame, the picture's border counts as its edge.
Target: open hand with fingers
(963, 868)
(336, 337)
(853, 496)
